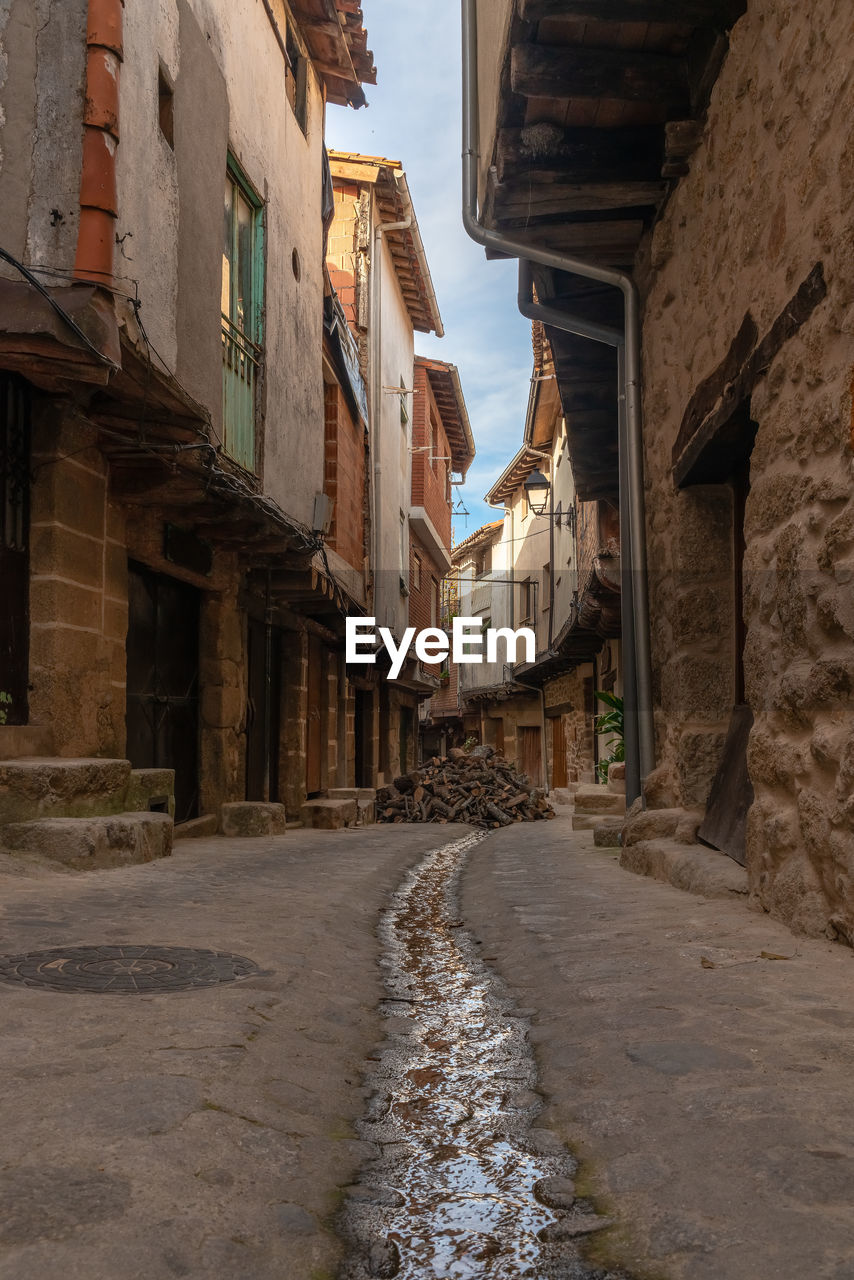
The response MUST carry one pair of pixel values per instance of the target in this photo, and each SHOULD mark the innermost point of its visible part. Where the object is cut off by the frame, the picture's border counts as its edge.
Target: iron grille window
(242, 310)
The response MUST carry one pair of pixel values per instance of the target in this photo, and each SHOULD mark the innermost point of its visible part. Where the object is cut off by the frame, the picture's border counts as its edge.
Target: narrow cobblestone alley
(693, 1057)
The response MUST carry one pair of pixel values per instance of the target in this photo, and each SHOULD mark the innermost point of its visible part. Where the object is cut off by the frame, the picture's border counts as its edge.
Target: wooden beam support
(555, 71)
(521, 199)
(694, 13)
(585, 155)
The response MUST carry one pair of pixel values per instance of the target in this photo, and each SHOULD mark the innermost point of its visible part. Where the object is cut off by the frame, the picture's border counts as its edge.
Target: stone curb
(690, 867)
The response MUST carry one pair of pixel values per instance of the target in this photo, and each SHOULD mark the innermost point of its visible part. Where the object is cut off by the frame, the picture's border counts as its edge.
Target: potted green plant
(612, 722)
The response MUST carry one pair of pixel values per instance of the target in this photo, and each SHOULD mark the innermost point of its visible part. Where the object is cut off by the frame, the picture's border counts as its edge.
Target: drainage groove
(464, 1185)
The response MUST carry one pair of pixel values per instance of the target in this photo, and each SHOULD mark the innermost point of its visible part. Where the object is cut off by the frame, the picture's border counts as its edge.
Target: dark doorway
(163, 682)
(364, 738)
(407, 723)
(263, 712)
(385, 733)
(559, 775)
(726, 460)
(314, 720)
(14, 548)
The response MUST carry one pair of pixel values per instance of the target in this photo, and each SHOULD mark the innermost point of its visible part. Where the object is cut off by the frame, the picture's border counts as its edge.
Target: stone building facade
(420, 433)
(557, 573)
(164, 397)
(749, 456)
(705, 153)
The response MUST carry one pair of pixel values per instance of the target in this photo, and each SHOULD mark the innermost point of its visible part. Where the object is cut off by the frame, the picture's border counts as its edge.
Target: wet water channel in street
(465, 1185)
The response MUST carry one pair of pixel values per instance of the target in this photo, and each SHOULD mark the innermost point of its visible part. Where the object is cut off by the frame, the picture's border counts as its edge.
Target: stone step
(607, 833)
(197, 828)
(252, 818)
(617, 778)
(44, 787)
(590, 821)
(686, 866)
(366, 802)
(561, 796)
(325, 814)
(151, 789)
(88, 843)
(595, 799)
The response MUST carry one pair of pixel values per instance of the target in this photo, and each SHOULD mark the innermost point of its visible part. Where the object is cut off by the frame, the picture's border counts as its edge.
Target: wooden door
(163, 682)
(263, 706)
(314, 719)
(559, 774)
(407, 721)
(499, 736)
(530, 754)
(364, 738)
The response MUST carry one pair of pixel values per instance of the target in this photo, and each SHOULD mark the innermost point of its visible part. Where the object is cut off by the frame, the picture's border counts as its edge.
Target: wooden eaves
(394, 204)
(601, 104)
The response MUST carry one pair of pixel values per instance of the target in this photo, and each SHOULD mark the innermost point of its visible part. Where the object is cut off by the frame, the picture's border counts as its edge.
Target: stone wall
(78, 589)
(569, 696)
(769, 196)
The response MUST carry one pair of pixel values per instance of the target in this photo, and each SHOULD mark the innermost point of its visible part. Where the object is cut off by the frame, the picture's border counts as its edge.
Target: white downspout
(632, 437)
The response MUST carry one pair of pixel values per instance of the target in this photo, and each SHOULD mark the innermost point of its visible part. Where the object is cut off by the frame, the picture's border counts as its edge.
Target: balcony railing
(241, 359)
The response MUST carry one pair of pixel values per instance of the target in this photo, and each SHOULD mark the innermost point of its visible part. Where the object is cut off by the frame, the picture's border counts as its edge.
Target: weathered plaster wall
(563, 499)
(147, 172)
(770, 194)
(42, 76)
(528, 553)
(487, 597)
(229, 94)
(392, 441)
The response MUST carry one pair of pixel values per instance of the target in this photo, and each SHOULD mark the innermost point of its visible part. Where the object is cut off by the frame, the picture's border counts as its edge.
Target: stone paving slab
(706, 1089)
(202, 1133)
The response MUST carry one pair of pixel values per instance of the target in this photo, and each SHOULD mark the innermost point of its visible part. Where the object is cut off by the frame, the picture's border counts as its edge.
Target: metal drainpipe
(377, 383)
(98, 192)
(633, 443)
(612, 337)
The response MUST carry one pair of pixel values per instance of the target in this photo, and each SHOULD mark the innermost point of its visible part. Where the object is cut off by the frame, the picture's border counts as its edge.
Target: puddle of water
(451, 1195)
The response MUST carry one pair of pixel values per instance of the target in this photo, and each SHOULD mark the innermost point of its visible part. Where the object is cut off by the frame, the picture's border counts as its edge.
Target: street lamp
(537, 492)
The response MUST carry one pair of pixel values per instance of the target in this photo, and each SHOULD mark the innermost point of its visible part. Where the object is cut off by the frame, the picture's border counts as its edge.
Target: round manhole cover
(125, 968)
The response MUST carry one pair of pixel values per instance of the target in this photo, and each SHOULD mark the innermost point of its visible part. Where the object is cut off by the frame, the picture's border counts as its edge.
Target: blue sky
(414, 116)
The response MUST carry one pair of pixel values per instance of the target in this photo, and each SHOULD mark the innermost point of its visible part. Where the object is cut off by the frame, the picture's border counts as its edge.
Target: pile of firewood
(479, 788)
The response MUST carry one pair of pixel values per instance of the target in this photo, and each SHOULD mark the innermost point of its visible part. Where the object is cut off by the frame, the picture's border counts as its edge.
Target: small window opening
(166, 106)
(296, 78)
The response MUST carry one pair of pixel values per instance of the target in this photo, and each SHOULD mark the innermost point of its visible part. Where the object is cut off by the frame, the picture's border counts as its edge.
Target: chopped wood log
(481, 789)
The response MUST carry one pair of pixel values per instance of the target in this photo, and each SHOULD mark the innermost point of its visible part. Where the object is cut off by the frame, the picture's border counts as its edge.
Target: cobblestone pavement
(705, 1086)
(704, 1080)
(205, 1132)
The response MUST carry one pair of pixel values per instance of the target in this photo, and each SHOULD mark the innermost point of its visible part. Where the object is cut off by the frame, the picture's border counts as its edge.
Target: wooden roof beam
(556, 71)
(583, 154)
(526, 200)
(694, 13)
